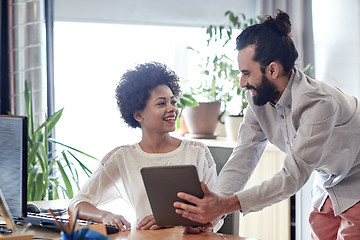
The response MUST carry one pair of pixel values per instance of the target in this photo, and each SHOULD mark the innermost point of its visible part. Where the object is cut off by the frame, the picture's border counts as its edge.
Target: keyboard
(47, 221)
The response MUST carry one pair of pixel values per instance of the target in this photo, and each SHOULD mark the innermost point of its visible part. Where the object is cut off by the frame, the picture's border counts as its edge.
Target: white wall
(157, 12)
(336, 26)
(337, 43)
(337, 60)
(94, 46)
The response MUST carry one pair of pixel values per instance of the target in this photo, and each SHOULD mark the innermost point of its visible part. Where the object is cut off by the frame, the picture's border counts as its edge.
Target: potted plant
(43, 181)
(221, 83)
(186, 100)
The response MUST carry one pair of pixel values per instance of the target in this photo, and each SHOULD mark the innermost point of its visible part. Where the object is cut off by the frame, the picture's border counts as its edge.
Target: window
(89, 61)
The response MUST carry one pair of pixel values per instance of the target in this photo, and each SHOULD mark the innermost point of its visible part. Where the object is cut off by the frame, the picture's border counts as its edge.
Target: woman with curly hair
(147, 99)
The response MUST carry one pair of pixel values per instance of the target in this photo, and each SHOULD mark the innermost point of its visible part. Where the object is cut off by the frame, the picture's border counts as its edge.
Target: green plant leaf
(222, 82)
(72, 171)
(54, 192)
(32, 172)
(178, 119)
(40, 188)
(74, 149)
(50, 122)
(83, 167)
(42, 181)
(42, 157)
(187, 100)
(32, 151)
(29, 109)
(308, 69)
(221, 28)
(69, 189)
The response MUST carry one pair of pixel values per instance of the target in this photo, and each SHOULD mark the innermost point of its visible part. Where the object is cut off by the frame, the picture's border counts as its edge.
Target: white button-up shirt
(318, 127)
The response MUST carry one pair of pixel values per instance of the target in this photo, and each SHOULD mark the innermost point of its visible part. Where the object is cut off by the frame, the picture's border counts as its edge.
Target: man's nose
(243, 81)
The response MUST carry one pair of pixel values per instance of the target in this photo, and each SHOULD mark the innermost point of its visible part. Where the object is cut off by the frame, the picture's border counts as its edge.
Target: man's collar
(285, 99)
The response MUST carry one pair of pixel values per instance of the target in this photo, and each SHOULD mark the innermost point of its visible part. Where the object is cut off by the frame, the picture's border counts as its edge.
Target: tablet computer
(162, 185)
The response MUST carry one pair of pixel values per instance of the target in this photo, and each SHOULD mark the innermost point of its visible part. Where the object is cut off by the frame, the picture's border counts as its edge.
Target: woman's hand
(148, 223)
(117, 221)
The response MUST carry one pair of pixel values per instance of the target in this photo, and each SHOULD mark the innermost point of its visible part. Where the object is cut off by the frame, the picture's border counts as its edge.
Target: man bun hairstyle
(272, 41)
(281, 23)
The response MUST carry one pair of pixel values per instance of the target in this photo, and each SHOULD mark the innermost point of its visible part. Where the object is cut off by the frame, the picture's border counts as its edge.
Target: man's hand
(148, 223)
(207, 209)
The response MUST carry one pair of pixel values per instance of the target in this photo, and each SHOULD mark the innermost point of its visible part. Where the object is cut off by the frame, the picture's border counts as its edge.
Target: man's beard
(265, 92)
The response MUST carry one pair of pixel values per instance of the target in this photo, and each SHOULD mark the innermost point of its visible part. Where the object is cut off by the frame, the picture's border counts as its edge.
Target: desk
(166, 234)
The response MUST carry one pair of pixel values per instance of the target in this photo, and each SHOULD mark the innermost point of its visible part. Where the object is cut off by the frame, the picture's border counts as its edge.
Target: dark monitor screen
(13, 163)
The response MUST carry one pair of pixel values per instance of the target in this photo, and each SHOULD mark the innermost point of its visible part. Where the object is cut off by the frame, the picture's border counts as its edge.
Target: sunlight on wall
(89, 61)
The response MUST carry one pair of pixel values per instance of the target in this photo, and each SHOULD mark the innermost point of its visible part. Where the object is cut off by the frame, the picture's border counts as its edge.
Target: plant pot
(201, 121)
(232, 124)
(220, 127)
(182, 130)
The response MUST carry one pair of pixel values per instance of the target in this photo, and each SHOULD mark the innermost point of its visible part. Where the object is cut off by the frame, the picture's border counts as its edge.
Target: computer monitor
(13, 163)
(13, 173)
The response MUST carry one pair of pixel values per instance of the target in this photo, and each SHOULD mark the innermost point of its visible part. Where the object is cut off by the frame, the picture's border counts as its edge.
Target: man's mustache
(249, 87)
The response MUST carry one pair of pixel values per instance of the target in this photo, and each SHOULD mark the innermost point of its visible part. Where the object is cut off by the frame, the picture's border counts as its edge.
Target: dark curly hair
(272, 41)
(133, 90)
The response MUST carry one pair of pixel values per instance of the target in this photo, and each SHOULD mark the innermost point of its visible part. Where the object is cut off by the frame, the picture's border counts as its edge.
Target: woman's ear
(137, 116)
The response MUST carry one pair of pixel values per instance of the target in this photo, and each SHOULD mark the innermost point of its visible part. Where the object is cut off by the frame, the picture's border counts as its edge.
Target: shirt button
(287, 142)
(289, 106)
(282, 116)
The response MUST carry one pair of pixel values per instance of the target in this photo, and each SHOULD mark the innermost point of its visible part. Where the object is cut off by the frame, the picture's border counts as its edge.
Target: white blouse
(118, 175)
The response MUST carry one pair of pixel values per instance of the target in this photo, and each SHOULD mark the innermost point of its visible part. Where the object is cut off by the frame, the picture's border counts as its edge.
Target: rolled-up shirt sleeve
(304, 134)
(244, 158)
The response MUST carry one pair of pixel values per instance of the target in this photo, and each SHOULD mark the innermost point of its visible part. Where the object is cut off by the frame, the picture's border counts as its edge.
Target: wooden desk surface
(166, 234)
